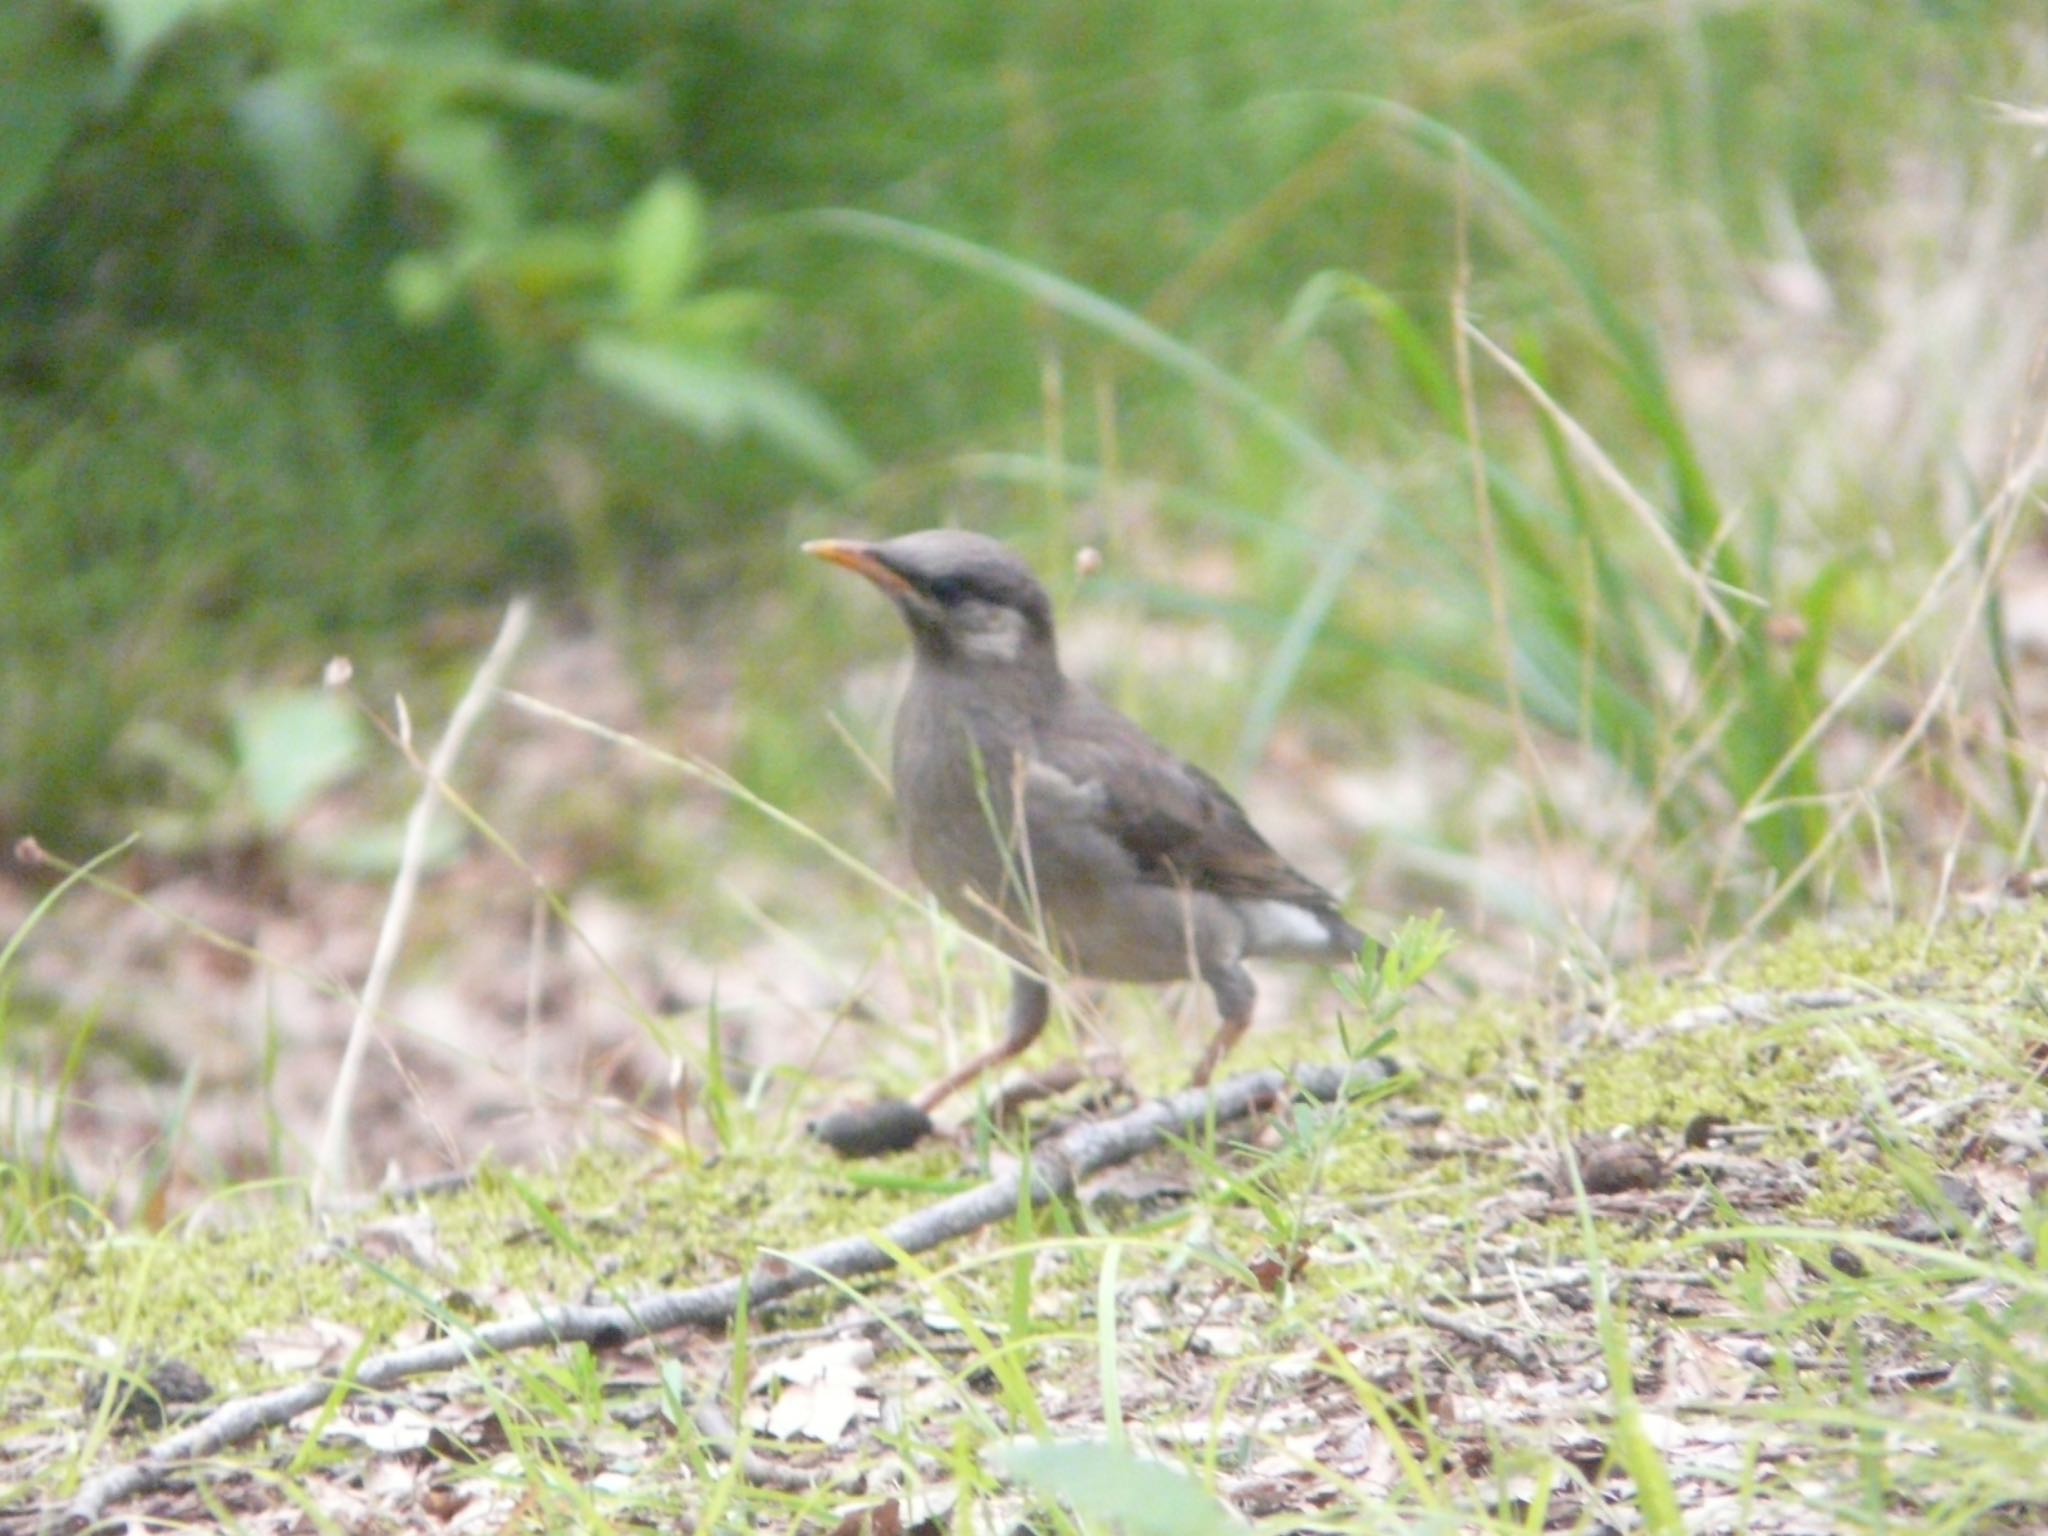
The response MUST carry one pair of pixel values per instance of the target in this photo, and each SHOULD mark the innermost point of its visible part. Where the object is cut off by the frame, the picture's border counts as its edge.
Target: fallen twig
(1571, 1278)
(1478, 1333)
(1055, 1169)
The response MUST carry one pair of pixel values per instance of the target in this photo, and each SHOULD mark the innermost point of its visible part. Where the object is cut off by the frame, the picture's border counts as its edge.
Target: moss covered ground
(1792, 1171)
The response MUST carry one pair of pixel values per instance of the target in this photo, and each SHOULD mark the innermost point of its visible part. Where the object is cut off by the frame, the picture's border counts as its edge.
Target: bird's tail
(1292, 930)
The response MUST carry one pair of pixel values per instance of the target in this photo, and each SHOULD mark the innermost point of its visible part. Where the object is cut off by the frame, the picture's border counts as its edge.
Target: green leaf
(1413, 348)
(291, 746)
(134, 28)
(718, 398)
(557, 261)
(50, 78)
(724, 321)
(466, 71)
(661, 245)
(462, 160)
(314, 165)
(1137, 1495)
(422, 288)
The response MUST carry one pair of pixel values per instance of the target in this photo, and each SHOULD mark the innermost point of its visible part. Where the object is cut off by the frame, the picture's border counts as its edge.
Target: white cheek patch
(990, 632)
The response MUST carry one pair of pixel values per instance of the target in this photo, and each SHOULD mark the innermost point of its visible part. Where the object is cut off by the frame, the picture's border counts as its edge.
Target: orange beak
(861, 559)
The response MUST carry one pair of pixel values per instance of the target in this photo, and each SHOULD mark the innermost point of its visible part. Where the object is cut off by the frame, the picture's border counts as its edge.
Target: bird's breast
(952, 771)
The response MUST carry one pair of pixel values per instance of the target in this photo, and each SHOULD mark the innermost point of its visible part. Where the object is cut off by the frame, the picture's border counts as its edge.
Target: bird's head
(968, 600)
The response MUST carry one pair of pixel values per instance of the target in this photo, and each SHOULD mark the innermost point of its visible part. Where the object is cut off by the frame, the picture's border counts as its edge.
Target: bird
(1051, 825)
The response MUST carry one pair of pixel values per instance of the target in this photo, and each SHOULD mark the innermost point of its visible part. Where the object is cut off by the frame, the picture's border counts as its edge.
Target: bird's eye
(945, 590)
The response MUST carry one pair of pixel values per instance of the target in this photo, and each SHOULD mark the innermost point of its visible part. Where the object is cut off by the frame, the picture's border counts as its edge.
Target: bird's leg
(1235, 994)
(1030, 1005)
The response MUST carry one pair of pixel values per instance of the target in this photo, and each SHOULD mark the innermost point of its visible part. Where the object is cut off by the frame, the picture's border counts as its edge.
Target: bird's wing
(1176, 824)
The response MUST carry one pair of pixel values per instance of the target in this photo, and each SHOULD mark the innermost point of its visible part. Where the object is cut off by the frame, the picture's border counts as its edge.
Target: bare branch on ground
(1055, 1170)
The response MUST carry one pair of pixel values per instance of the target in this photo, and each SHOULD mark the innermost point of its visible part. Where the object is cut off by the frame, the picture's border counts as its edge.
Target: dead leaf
(303, 1348)
(824, 1390)
(410, 1238)
(875, 1520)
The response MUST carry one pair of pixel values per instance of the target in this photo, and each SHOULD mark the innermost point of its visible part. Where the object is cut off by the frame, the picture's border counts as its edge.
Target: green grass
(1618, 402)
(1203, 267)
(1306, 1259)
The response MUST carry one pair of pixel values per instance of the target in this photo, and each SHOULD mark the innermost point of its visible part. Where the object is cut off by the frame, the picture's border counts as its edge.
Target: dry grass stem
(330, 1170)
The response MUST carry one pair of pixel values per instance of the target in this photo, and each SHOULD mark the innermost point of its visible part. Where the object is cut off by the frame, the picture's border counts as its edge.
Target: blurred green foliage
(323, 317)
(292, 284)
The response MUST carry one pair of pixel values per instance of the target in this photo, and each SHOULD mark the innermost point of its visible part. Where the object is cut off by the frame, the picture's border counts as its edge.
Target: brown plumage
(1043, 819)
